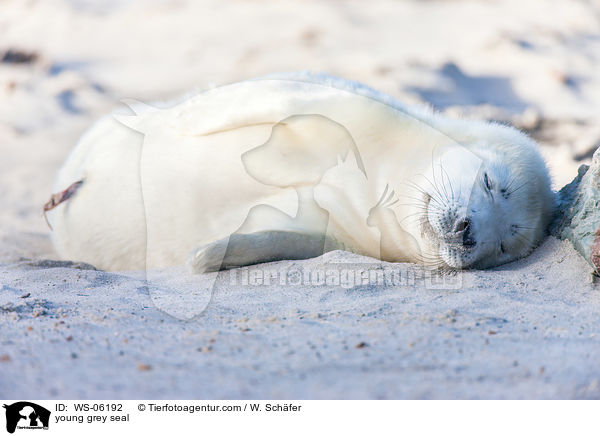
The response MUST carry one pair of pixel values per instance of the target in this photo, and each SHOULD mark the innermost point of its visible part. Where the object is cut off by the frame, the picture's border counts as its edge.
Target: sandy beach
(528, 330)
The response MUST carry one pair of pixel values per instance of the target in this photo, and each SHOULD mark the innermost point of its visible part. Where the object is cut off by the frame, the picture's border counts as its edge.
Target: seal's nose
(463, 228)
(462, 225)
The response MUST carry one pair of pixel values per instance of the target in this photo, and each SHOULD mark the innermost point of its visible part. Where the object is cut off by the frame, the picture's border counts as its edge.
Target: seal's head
(487, 202)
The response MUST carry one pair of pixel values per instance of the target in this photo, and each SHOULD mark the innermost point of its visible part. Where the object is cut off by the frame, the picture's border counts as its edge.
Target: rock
(578, 215)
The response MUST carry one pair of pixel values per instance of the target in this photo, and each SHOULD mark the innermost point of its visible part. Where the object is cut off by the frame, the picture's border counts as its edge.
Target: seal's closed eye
(487, 182)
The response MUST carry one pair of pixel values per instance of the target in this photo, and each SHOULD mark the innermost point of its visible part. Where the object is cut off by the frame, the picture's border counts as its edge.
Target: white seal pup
(292, 166)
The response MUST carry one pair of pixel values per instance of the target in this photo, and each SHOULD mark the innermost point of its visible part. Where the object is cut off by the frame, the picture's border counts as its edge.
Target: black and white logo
(26, 415)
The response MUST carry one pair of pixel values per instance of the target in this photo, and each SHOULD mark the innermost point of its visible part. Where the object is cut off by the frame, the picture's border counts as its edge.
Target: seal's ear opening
(300, 150)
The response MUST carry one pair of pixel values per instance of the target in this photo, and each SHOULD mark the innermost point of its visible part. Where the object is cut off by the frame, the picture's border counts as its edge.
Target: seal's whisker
(413, 185)
(443, 184)
(511, 182)
(436, 264)
(421, 215)
(436, 187)
(523, 239)
(418, 200)
(519, 187)
(439, 194)
(432, 184)
(430, 260)
(417, 218)
(422, 209)
(449, 181)
(523, 227)
(434, 178)
(418, 188)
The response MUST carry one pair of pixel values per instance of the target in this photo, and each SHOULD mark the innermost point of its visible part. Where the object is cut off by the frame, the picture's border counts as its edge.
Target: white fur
(151, 199)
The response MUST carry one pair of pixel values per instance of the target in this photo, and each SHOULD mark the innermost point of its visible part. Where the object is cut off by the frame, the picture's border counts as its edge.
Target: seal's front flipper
(208, 258)
(249, 249)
